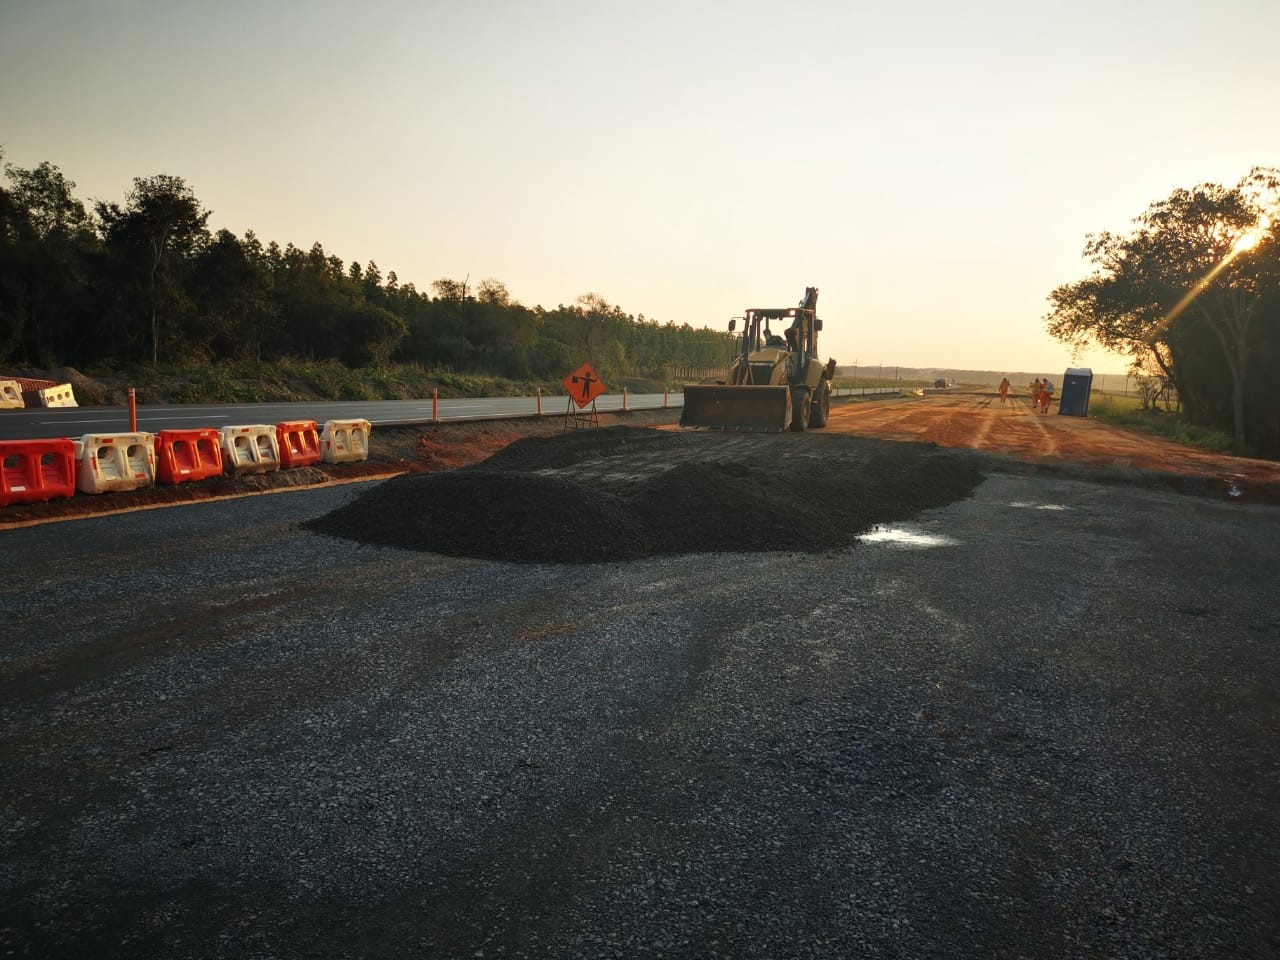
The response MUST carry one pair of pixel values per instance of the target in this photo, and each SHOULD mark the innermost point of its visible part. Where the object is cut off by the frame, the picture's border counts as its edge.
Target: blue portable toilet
(1076, 384)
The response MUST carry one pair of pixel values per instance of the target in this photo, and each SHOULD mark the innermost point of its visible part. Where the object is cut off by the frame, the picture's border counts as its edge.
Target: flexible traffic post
(539, 401)
(133, 411)
(664, 398)
(435, 403)
(624, 399)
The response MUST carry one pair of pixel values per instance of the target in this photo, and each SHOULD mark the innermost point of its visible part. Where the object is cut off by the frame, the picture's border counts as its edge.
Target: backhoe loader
(775, 381)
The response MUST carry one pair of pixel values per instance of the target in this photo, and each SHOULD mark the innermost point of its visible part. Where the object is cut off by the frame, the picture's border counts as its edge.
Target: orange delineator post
(299, 443)
(32, 471)
(133, 411)
(435, 403)
(183, 455)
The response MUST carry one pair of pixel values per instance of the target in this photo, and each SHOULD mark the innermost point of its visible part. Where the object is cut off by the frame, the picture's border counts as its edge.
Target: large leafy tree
(153, 237)
(456, 302)
(15, 228)
(47, 235)
(313, 294)
(230, 288)
(1185, 290)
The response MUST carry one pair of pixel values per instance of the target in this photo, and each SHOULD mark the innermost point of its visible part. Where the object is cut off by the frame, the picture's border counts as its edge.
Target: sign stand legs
(576, 418)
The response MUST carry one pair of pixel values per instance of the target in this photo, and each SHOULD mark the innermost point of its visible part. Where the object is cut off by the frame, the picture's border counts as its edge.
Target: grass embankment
(291, 380)
(285, 380)
(282, 381)
(1128, 412)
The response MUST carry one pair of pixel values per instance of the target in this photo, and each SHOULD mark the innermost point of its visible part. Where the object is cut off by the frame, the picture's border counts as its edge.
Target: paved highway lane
(33, 423)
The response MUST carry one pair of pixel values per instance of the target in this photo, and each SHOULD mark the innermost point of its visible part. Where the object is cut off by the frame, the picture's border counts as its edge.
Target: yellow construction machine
(776, 380)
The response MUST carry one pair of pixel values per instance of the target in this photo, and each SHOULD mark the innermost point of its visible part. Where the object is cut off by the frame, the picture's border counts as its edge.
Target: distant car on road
(942, 382)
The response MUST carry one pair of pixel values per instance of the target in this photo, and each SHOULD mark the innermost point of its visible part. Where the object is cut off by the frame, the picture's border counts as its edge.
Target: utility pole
(462, 305)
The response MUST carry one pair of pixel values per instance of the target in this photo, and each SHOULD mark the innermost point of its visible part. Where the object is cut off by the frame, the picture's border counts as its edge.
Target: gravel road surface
(1039, 722)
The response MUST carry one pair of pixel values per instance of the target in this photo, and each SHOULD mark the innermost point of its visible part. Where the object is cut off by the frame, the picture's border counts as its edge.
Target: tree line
(1192, 295)
(146, 279)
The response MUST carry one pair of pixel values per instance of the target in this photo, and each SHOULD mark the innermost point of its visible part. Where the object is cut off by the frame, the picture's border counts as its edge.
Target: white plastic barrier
(60, 396)
(11, 394)
(344, 441)
(115, 461)
(250, 449)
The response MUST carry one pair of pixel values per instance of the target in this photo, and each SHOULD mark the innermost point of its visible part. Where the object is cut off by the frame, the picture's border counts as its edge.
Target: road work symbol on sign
(583, 385)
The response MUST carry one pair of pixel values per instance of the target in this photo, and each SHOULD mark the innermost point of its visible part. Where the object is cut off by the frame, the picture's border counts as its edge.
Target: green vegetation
(145, 282)
(1192, 295)
(1130, 412)
(290, 380)
(285, 380)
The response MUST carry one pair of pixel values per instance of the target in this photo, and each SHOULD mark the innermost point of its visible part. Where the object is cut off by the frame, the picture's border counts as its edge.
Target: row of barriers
(18, 392)
(34, 471)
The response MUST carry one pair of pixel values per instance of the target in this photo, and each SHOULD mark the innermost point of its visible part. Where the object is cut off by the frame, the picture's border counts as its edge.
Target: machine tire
(820, 411)
(800, 407)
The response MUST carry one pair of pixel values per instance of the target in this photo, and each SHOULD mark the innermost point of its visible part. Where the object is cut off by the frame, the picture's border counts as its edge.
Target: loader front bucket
(759, 409)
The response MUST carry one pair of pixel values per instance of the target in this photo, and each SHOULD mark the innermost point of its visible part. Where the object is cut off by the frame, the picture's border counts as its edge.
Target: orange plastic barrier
(183, 455)
(36, 470)
(299, 443)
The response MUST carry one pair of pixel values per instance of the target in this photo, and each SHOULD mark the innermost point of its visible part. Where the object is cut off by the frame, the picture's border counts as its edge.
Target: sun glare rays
(1243, 243)
(1247, 241)
(1251, 238)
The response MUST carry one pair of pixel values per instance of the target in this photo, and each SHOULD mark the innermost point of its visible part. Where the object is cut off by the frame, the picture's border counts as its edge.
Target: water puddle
(902, 537)
(1023, 505)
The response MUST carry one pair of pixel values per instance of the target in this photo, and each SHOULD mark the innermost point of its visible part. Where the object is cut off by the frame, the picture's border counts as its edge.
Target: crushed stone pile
(623, 493)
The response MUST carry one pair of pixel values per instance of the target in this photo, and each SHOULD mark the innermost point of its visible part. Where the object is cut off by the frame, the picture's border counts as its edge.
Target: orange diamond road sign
(583, 385)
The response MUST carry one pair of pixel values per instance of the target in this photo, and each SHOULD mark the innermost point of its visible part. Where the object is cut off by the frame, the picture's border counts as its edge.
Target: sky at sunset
(934, 168)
